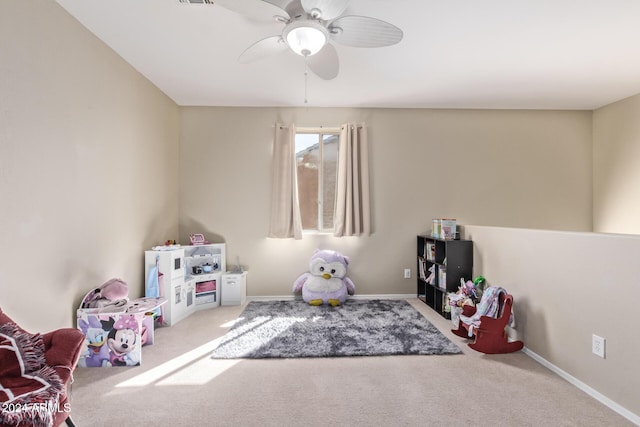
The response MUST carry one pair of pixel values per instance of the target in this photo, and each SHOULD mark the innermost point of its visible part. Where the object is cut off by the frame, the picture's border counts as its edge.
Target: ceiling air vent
(196, 1)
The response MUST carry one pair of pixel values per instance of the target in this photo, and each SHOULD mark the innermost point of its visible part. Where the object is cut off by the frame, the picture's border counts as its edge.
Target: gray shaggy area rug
(292, 329)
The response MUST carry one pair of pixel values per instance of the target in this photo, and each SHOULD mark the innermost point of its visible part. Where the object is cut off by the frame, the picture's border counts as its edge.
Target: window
(317, 169)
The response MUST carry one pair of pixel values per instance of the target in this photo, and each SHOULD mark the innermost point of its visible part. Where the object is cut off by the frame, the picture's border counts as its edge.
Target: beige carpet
(178, 384)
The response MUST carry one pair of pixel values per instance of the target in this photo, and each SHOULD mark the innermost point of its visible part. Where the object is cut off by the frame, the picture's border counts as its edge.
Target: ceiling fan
(309, 26)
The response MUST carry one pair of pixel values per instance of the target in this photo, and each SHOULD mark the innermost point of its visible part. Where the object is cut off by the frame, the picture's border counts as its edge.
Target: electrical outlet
(407, 273)
(597, 345)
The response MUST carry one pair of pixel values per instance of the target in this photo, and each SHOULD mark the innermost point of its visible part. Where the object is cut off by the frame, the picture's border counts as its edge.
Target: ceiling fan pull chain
(306, 75)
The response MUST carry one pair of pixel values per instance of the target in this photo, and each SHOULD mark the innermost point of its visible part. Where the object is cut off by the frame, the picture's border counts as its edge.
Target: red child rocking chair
(488, 331)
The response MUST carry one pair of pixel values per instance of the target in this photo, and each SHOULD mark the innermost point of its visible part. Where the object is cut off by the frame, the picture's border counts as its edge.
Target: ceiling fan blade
(364, 31)
(255, 10)
(325, 9)
(264, 48)
(325, 64)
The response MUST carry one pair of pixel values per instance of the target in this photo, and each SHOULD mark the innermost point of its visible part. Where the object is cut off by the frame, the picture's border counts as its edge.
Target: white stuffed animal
(326, 282)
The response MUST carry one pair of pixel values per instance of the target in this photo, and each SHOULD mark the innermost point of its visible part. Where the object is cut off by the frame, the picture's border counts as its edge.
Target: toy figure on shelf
(432, 276)
(326, 282)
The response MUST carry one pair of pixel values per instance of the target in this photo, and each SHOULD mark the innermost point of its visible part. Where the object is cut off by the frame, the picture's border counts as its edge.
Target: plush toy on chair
(326, 282)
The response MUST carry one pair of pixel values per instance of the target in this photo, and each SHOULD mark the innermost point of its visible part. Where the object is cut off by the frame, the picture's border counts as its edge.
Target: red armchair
(35, 371)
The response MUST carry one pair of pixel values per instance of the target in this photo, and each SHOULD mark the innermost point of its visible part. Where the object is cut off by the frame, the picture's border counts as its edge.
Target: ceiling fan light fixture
(305, 37)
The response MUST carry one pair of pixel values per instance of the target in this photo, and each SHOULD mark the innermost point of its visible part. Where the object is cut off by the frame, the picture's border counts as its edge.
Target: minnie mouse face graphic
(122, 339)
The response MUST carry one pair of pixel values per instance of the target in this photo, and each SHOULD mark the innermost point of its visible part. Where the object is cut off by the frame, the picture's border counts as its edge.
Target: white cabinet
(204, 265)
(178, 289)
(234, 288)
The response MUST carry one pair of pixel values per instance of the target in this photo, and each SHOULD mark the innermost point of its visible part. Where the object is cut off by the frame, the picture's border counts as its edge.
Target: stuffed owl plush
(326, 282)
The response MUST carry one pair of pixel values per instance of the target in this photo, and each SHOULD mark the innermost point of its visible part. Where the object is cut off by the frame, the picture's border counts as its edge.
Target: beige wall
(566, 287)
(88, 165)
(616, 167)
(89, 160)
(513, 168)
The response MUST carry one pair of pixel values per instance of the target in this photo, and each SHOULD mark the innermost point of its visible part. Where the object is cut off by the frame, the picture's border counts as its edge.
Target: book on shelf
(448, 229)
(446, 308)
(431, 251)
(422, 269)
(444, 228)
(442, 277)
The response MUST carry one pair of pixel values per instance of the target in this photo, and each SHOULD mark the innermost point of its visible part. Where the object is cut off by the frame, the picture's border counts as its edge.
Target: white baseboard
(292, 297)
(584, 387)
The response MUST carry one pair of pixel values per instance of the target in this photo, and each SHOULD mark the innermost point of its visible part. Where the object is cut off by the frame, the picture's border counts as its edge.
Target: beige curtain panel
(352, 215)
(285, 219)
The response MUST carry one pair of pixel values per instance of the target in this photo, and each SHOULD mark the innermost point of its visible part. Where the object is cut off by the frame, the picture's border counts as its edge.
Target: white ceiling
(521, 54)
